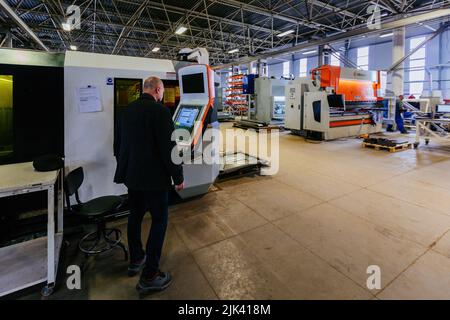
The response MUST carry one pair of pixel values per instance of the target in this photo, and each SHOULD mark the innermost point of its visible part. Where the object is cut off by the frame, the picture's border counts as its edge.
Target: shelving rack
(236, 100)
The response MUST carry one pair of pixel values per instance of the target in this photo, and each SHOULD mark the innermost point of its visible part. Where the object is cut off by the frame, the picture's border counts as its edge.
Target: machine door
(293, 107)
(6, 116)
(316, 111)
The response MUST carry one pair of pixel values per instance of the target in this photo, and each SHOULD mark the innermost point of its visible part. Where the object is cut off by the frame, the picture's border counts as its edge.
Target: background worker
(399, 121)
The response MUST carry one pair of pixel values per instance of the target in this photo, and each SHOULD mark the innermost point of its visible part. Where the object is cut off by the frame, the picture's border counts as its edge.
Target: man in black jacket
(143, 148)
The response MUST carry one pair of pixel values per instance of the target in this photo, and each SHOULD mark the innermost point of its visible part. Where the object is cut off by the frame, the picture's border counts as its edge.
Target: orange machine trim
(352, 89)
(208, 107)
(348, 123)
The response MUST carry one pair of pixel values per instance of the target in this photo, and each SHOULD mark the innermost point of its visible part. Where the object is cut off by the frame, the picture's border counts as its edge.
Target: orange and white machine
(194, 114)
(335, 103)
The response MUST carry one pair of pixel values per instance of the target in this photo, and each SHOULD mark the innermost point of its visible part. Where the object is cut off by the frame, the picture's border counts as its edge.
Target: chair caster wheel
(47, 291)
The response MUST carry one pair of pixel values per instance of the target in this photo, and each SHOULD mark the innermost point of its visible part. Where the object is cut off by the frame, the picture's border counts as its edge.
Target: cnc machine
(194, 115)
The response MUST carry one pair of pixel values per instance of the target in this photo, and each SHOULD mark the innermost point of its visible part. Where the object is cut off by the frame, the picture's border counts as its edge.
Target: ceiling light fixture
(233, 51)
(66, 26)
(309, 52)
(181, 30)
(386, 35)
(285, 33)
(72, 47)
(155, 49)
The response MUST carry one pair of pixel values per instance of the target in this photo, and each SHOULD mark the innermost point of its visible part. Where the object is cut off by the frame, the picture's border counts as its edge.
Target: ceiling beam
(400, 21)
(274, 14)
(336, 10)
(127, 29)
(10, 12)
(441, 29)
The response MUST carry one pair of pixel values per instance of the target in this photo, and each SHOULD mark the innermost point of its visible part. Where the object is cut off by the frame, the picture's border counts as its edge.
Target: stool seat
(99, 206)
(97, 211)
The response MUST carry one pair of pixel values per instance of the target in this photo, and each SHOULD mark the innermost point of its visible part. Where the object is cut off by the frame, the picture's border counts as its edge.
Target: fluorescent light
(385, 14)
(234, 50)
(181, 30)
(66, 26)
(386, 35)
(309, 52)
(285, 33)
(72, 47)
(428, 27)
(155, 49)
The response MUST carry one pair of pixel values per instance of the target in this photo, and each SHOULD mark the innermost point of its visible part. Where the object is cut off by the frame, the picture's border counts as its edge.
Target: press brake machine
(335, 103)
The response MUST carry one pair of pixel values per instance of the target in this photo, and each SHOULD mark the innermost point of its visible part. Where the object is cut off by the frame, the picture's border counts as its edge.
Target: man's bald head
(154, 87)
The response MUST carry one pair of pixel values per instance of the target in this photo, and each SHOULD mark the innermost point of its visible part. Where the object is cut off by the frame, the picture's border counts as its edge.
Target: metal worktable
(35, 261)
(424, 130)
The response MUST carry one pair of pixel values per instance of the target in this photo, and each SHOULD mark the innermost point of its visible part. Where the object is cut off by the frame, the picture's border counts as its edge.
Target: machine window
(126, 91)
(193, 83)
(317, 110)
(6, 115)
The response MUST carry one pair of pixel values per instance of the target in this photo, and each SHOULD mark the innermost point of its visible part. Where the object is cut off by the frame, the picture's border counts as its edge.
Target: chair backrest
(73, 182)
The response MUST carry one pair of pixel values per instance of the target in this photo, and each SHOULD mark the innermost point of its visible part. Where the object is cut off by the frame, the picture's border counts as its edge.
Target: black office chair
(97, 211)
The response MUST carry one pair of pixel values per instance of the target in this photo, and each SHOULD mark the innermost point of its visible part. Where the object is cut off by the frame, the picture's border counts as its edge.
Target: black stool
(96, 211)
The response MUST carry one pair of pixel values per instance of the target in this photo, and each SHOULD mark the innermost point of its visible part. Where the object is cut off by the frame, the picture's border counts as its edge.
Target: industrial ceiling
(149, 28)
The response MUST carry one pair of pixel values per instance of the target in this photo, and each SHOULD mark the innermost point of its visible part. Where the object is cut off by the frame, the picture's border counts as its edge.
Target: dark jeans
(157, 202)
(399, 121)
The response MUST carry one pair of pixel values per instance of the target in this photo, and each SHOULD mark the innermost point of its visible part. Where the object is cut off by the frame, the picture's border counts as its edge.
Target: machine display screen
(443, 108)
(336, 101)
(186, 117)
(193, 83)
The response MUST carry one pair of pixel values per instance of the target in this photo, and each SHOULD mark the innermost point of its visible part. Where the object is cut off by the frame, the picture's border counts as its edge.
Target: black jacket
(143, 147)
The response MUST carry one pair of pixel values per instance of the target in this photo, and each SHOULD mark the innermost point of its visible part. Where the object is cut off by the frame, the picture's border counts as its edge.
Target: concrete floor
(309, 232)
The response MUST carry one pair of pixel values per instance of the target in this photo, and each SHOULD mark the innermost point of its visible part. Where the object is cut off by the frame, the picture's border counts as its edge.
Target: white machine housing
(88, 137)
(269, 100)
(295, 91)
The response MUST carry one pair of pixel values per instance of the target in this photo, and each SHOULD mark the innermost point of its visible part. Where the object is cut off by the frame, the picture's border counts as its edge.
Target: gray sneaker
(159, 282)
(136, 267)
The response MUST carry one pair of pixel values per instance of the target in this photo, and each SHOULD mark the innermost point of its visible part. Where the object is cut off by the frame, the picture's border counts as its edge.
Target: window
(335, 59)
(303, 67)
(417, 66)
(383, 79)
(362, 58)
(6, 115)
(286, 68)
